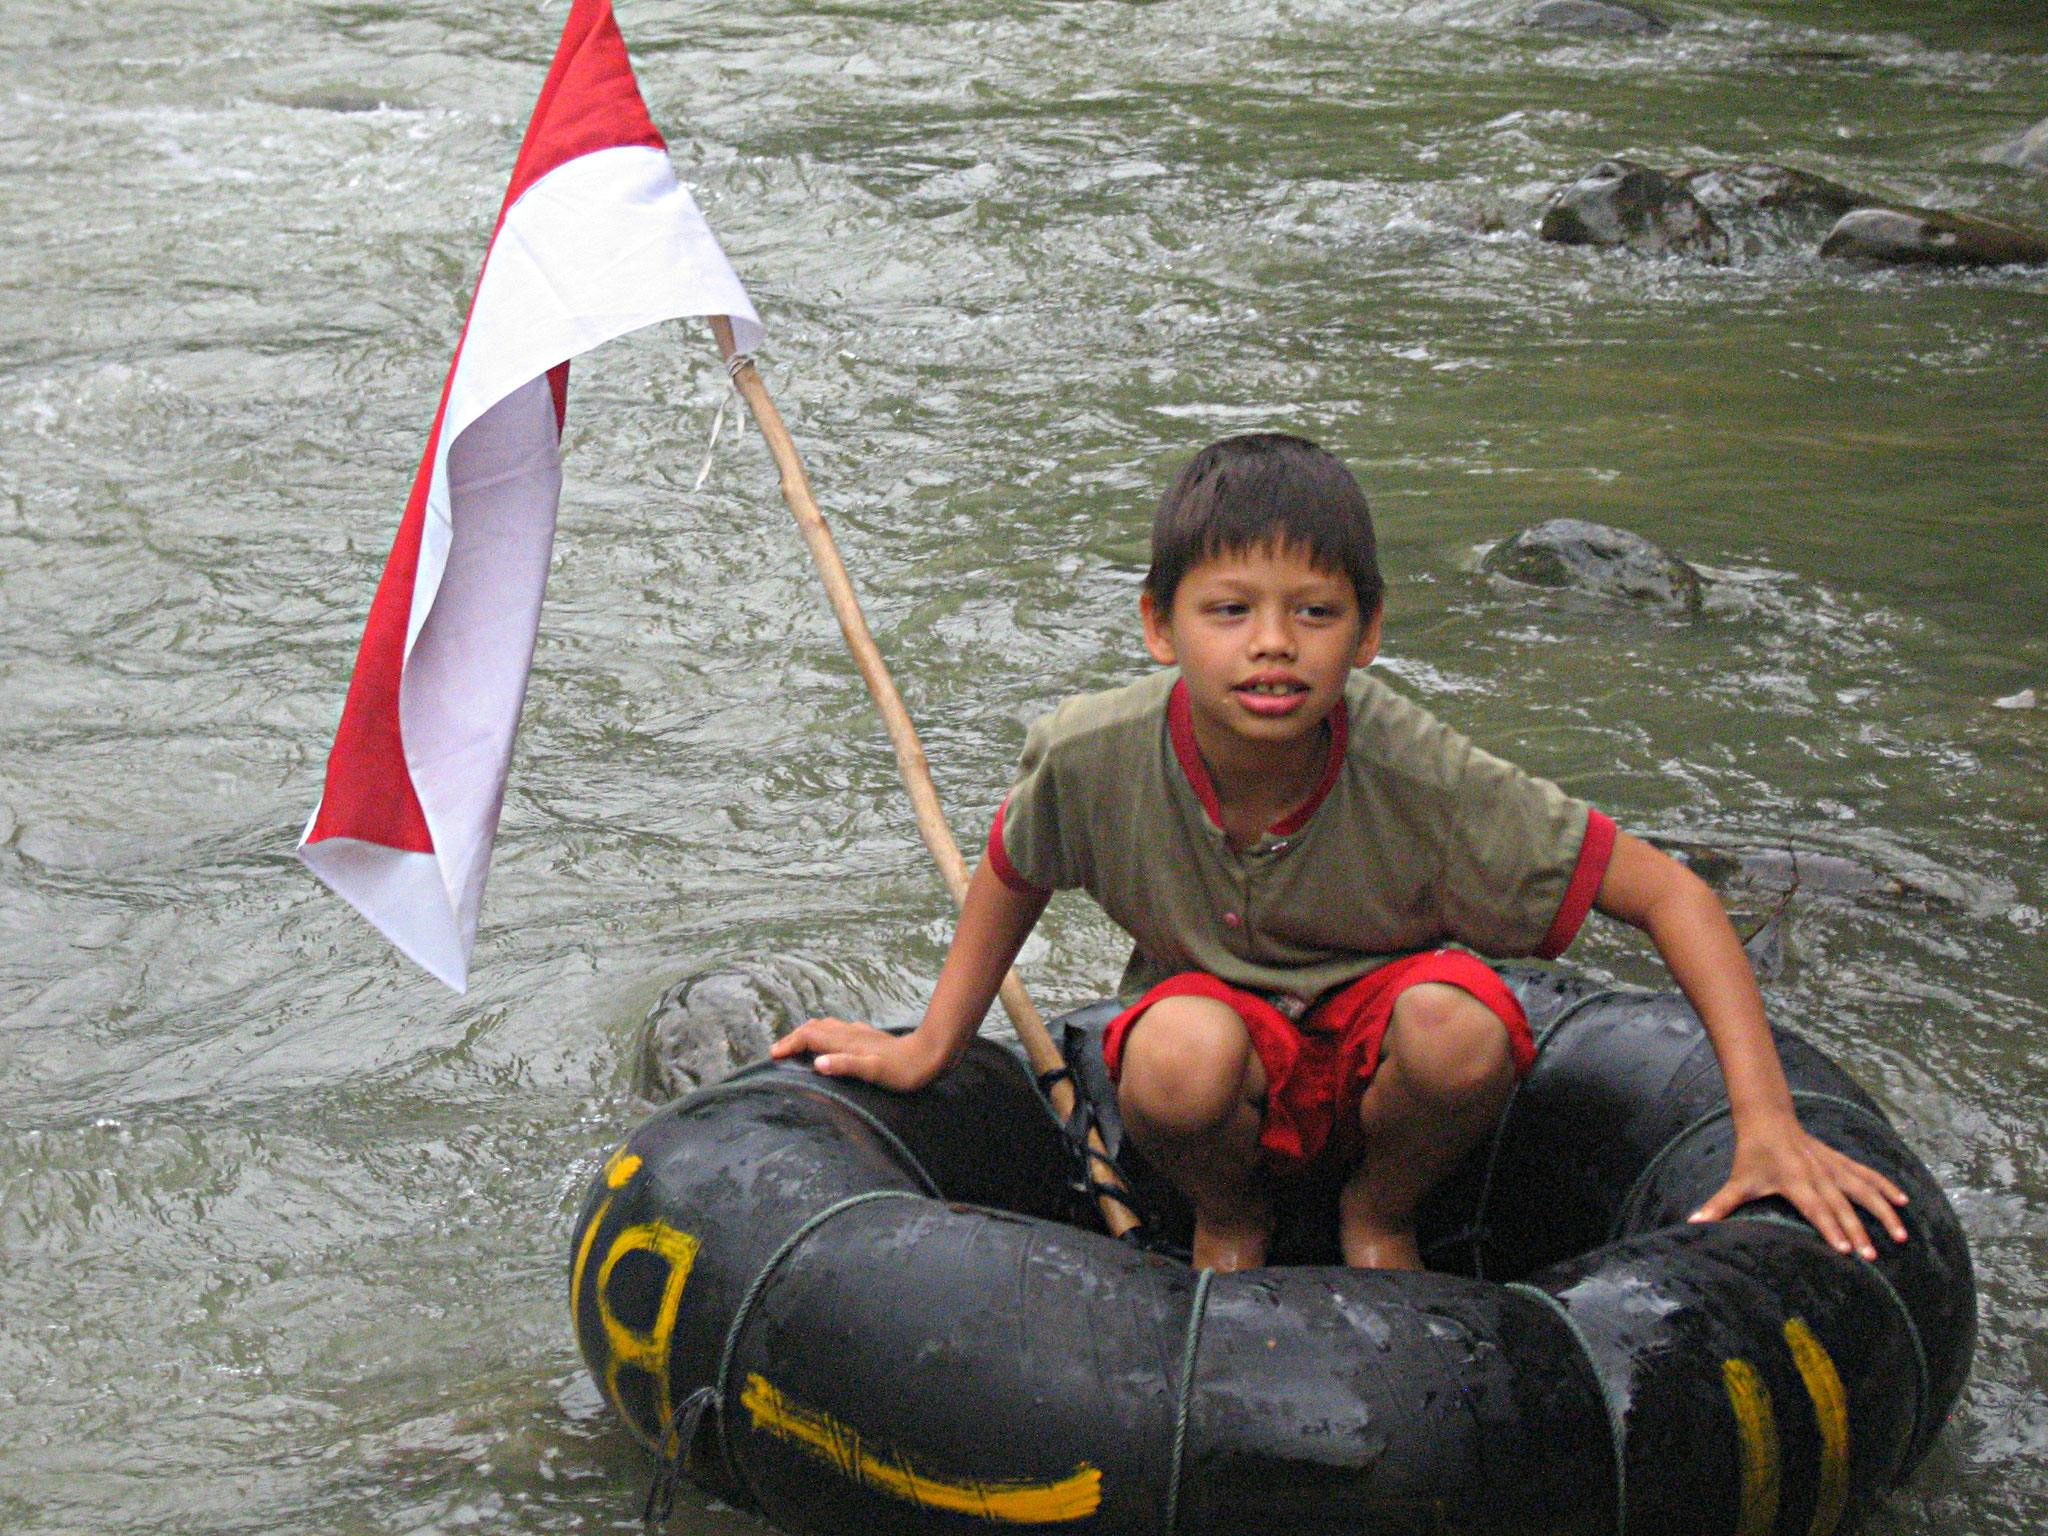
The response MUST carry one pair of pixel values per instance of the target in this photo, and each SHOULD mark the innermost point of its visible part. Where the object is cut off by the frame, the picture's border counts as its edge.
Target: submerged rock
(1594, 18)
(2030, 150)
(1765, 945)
(1929, 237)
(1761, 185)
(1785, 870)
(705, 1027)
(338, 98)
(1566, 553)
(1625, 203)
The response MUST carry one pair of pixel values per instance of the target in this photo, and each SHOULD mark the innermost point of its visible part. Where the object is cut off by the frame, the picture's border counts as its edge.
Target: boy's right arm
(995, 920)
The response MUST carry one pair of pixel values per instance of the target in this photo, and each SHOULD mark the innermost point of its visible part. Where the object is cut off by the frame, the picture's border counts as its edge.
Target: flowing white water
(283, 1222)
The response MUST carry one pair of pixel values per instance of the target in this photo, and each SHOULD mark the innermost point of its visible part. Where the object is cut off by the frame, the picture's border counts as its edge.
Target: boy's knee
(1448, 1044)
(1187, 1066)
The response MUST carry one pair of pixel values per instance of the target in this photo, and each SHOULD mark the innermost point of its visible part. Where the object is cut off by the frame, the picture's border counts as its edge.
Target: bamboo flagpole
(910, 756)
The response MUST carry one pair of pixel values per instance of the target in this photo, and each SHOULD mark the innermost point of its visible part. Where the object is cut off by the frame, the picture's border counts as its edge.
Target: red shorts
(1317, 1067)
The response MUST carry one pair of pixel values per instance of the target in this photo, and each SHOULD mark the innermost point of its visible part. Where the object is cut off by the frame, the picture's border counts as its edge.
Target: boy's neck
(1259, 783)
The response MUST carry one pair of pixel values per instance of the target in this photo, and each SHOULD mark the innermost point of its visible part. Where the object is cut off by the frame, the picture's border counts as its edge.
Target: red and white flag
(595, 239)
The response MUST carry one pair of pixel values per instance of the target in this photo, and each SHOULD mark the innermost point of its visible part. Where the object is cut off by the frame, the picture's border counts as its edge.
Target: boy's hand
(1773, 1154)
(1824, 1185)
(842, 1048)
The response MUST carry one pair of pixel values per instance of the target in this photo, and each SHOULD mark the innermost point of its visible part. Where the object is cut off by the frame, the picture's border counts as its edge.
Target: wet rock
(2030, 150)
(1739, 189)
(1765, 946)
(1625, 203)
(1929, 237)
(707, 1026)
(1591, 557)
(1787, 869)
(1594, 18)
(339, 98)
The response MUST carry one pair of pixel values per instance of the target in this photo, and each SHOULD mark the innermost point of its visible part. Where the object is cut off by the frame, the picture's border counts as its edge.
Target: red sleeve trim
(1594, 852)
(999, 859)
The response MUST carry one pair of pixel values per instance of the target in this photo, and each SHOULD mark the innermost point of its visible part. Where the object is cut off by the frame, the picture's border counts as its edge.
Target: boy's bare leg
(1192, 1095)
(1444, 1075)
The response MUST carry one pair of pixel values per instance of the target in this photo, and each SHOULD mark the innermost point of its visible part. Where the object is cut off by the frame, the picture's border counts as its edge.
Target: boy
(1290, 844)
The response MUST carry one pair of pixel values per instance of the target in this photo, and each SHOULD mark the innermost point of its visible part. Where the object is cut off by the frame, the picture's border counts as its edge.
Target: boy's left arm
(1773, 1154)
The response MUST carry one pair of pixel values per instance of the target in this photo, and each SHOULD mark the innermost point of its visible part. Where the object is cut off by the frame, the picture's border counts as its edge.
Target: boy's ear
(1369, 640)
(1157, 640)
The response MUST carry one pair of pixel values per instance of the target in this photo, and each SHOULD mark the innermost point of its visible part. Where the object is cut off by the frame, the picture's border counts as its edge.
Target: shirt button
(1231, 918)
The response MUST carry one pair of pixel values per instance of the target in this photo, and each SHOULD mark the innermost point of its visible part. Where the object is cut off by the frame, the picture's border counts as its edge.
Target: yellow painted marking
(583, 1262)
(1758, 1430)
(1831, 1408)
(621, 1167)
(629, 1346)
(1071, 1498)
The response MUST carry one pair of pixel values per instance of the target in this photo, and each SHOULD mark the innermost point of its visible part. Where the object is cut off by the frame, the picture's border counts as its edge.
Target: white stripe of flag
(595, 239)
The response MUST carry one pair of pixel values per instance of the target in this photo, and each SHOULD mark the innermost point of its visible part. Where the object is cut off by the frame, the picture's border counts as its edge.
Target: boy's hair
(1260, 489)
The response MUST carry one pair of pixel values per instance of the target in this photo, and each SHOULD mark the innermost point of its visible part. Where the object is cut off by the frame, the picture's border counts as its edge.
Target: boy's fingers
(1827, 1205)
(1828, 1194)
(1873, 1191)
(817, 1035)
(1724, 1200)
(1879, 1196)
(866, 1066)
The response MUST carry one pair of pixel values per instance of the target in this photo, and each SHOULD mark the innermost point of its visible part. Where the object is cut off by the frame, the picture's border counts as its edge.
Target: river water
(284, 1221)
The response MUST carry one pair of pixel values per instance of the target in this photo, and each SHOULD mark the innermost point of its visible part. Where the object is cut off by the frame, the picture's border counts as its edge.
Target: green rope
(1190, 1348)
(1616, 1433)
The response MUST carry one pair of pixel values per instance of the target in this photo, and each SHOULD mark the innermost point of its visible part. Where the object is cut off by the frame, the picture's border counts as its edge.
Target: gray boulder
(1566, 553)
(1626, 203)
(1930, 237)
(1761, 186)
(1785, 869)
(2030, 150)
(1594, 18)
(706, 1027)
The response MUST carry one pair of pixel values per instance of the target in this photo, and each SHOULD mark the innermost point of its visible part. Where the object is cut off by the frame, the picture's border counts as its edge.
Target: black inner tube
(857, 1310)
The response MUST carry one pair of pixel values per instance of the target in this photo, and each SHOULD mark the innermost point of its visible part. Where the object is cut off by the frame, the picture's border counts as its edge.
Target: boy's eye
(1319, 611)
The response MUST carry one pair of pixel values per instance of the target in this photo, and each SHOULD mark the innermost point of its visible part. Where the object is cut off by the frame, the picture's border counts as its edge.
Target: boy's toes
(1226, 1247)
(1381, 1249)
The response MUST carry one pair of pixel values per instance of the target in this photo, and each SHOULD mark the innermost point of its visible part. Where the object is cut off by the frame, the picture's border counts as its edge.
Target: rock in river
(1591, 557)
(1762, 186)
(2030, 150)
(1595, 18)
(1623, 202)
(706, 1026)
(1926, 236)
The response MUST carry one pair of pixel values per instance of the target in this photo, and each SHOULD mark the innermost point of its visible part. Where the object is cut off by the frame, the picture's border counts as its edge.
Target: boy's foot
(1380, 1248)
(1228, 1246)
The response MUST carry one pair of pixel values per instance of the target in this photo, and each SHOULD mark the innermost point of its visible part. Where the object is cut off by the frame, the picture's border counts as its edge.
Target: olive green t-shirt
(1415, 838)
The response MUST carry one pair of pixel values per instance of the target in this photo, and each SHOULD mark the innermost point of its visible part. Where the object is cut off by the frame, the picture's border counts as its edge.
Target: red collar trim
(1180, 729)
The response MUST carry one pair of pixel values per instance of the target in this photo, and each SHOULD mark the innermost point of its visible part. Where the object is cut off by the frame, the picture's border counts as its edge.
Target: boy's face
(1265, 640)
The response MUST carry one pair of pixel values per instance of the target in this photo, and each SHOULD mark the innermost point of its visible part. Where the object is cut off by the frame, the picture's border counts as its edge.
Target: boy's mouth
(1271, 693)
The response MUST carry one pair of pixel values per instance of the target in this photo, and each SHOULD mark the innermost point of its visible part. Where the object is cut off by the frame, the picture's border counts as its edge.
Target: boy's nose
(1272, 636)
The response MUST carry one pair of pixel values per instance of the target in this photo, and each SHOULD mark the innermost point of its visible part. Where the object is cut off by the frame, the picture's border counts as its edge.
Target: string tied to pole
(733, 365)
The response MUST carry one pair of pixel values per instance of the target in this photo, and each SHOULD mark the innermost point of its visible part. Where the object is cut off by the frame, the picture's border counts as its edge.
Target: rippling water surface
(284, 1222)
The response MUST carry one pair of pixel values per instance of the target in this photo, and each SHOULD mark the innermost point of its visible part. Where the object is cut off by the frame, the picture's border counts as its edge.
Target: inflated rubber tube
(859, 1311)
